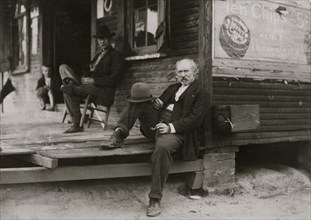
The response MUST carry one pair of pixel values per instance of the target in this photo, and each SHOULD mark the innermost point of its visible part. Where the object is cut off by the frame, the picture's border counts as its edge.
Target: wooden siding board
(261, 70)
(256, 97)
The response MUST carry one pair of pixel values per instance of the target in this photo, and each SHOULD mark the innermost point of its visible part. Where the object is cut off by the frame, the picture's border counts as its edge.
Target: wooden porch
(34, 149)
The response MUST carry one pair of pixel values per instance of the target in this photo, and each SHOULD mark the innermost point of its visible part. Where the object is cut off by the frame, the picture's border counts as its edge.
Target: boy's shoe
(52, 108)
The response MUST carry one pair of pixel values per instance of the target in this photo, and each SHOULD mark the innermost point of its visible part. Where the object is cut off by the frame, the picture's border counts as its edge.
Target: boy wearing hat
(100, 78)
(174, 121)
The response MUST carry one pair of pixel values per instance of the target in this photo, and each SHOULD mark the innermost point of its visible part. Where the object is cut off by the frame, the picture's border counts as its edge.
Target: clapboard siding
(284, 108)
(184, 27)
(159, 73)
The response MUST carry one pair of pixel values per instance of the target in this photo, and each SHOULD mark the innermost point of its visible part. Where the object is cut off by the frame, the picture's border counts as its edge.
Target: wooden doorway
(71, 37)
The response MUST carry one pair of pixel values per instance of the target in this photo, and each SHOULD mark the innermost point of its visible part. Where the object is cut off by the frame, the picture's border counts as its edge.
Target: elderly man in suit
(100, 78)
(174, 121)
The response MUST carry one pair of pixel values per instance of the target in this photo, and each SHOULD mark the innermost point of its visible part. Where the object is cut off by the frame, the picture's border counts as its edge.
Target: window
(34, 16)
(20, 33)
(147, 25)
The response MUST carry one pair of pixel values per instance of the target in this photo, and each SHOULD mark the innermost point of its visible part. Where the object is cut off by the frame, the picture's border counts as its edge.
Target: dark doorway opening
(72, 33)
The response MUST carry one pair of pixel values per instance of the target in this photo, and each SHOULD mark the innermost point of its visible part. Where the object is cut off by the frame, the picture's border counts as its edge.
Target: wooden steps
(42, 174)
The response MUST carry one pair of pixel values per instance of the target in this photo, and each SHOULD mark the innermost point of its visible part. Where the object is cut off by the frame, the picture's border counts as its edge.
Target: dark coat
(193, 115)
(41, 82)
(106, 75)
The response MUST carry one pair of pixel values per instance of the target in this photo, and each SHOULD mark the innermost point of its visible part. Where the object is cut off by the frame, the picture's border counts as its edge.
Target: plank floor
(44, 136)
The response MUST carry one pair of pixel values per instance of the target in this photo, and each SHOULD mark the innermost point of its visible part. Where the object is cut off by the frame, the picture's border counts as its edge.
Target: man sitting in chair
(174, 121)
(100, 78)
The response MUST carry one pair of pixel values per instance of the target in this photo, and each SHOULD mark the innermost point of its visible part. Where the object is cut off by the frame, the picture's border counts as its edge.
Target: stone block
(218, 177)
(218, 165)
(219, 156)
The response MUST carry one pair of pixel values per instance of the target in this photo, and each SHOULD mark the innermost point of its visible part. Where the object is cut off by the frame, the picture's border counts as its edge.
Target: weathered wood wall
(280, 84)
(285, 113)
(159, 73)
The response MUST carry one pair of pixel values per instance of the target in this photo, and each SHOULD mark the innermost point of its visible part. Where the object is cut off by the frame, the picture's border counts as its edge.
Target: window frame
(152, 49)
(16, 47)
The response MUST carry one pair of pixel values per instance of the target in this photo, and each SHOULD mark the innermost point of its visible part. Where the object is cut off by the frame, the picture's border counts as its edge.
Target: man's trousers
(165, 144)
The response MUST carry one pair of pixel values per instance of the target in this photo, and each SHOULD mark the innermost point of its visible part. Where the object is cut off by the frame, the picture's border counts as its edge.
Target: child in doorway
(44, 89)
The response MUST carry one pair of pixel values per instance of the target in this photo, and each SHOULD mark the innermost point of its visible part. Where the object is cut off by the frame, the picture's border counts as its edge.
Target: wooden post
(93, 26)
(120, 38)
(205, 59)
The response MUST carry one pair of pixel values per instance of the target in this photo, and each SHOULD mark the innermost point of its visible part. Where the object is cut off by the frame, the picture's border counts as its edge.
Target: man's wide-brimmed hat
(140, 92)
(104, 32)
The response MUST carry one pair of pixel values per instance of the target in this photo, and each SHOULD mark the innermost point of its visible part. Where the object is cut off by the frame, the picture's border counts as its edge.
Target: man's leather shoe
(68, 89)
(154, 208)
(73, 129)
(116, 140)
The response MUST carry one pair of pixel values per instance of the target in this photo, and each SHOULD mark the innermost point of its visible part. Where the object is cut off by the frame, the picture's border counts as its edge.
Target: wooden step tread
(16, 151)
(95, 151)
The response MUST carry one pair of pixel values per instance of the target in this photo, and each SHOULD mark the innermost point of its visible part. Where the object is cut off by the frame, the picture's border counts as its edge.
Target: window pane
(22, 42)
(20, 7)
(145, 22)
(140, 28)
(152, 24)
(34, 36)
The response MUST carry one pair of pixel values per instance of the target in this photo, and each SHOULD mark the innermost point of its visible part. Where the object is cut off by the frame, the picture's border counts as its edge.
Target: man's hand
(87, 80)
(163, 128)
(157, 103)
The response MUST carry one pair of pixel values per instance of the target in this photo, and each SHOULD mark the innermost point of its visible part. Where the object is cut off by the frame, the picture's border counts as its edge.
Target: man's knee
(162, 148)
(169, 142)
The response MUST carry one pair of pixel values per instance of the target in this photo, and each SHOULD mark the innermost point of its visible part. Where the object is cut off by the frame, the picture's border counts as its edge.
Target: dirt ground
(273, 192)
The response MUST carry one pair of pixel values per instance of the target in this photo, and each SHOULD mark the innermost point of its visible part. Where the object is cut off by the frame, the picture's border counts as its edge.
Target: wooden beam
(121, 33)
(40, 160)
(92, 152)
(194, 180)
(7, 152)
(41, 174)
(205, 58)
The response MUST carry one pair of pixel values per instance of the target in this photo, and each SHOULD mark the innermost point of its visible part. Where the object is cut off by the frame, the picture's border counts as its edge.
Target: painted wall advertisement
(262, 30)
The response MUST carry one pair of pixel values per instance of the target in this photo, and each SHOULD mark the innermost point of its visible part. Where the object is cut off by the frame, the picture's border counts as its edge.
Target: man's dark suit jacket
(193, 115)
(106, 75)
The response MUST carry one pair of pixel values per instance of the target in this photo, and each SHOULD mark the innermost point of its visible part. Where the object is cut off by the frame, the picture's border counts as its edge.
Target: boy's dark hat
(104, 32)
(140, 92)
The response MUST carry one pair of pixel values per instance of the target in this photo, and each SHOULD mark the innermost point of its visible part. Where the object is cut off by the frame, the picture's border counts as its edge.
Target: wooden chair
(93, 108)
